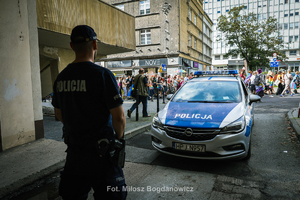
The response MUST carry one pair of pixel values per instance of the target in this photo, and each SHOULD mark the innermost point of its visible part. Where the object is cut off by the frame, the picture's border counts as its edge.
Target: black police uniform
(85, 92)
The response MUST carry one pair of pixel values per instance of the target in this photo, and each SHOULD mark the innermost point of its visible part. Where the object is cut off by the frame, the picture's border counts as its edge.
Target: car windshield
(209, 91)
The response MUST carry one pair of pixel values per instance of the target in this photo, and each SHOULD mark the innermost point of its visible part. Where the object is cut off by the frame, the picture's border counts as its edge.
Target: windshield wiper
(210, 102)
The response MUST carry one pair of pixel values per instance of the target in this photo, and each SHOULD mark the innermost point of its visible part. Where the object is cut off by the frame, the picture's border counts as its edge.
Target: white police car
(209, 117)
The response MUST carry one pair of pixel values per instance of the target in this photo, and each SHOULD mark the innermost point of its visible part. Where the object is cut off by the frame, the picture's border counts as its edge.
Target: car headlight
(235, 127)
(156, 122)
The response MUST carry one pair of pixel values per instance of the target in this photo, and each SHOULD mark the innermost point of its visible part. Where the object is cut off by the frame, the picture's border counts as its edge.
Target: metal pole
(137, 105)
(163, 92)
(157, 92)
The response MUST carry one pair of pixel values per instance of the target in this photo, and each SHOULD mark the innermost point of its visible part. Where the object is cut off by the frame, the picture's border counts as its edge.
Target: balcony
(57, 18)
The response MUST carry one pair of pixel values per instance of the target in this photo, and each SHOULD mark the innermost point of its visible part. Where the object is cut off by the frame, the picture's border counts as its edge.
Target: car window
(209, 91)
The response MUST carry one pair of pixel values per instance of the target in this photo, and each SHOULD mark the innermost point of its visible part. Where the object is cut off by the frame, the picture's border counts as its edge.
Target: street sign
(274, 54)
(274, 64)
(164, 67)
(160, 69)
(274, 59)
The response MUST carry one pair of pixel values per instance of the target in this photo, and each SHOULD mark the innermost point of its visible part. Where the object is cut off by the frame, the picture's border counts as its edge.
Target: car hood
(201, 115)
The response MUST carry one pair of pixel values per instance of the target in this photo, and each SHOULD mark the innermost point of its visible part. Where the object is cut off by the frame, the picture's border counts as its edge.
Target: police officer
(87, 101)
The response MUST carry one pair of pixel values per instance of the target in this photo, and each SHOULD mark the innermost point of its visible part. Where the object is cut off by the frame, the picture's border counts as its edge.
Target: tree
(255, 40)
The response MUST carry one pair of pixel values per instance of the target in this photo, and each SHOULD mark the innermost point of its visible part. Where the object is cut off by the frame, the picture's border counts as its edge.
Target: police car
(209, 117)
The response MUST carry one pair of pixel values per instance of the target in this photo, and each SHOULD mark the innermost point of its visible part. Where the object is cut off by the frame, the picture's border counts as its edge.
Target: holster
(113, 149)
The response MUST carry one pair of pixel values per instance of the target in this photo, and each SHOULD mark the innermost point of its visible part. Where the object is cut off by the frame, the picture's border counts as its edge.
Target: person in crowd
(151, 89)
(287, 79)
(259, 86)
(140, 83)
(248, 79)
(186, 78)
(268, 86)
(280, 83)
(252, 85)
(295, 82)
(124, 87)
(243, 74)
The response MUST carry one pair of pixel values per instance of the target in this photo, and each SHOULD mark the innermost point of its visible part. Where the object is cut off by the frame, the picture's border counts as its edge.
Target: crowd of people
(166, 84)
(263, 83)
(258, 82)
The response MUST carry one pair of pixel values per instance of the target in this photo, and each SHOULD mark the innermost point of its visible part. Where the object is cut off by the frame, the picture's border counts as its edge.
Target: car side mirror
(169, 96)
(254, 98)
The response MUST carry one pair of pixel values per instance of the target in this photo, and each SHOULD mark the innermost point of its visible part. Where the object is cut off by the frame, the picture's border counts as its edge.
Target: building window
(195, 44)
(296, 38)
(217, 57)
(291, 25)
(286, 26)
(286, 1)
(190, 14)
(190, 40)
(200, 35)
(297, 1)
(296, 24)
(293, 53)
(195, 19)
(144, 7)
(245, 7)
(297, 13)
(291, 14)
(200, 56)
(146, 36)
(283, 52)
(259, 17)
(121, 7)
(219, 11)
(279, 26)
(264, 16)
(290, 38)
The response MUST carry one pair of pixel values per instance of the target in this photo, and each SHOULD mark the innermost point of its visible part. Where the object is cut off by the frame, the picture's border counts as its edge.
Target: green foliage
(242, 32)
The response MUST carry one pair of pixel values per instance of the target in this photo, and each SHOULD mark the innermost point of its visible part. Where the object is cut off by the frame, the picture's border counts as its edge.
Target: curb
(133, 132)
(18, 184)
(294, 123)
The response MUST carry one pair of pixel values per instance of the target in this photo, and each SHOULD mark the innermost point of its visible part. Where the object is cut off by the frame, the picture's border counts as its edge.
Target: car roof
(215, 78)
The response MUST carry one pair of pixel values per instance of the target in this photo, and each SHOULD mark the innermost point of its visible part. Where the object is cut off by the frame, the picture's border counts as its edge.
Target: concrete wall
(20, 106)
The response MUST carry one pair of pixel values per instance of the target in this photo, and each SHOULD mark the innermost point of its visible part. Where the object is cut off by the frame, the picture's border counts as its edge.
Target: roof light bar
(222, 72)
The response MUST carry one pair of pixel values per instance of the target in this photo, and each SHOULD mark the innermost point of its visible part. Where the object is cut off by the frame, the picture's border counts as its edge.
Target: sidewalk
(25, 164)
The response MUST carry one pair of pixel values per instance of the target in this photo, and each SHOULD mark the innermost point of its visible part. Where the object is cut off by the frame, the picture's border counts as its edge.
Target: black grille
(198, 134)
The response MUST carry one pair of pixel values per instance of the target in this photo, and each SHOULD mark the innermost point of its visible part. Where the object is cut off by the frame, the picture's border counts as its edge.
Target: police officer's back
(87, 101)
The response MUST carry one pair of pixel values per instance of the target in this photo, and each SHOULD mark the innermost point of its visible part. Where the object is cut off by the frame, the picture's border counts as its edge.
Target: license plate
(189, 147)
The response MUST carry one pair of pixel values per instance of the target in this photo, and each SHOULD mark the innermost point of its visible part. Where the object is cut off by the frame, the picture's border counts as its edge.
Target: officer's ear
(71, 45)
(95, 45)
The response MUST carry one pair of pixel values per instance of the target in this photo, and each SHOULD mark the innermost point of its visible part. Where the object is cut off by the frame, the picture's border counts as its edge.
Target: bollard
(299, 111)
(157, 92)
(163, 92)
(137, 105)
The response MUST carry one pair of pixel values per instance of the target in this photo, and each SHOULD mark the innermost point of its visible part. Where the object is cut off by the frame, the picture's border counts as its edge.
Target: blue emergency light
(222, 72)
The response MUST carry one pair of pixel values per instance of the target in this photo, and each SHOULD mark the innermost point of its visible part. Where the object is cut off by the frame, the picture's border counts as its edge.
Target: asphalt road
(271, 173)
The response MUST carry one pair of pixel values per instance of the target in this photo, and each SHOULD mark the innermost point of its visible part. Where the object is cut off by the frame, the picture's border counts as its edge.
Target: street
(271, 173)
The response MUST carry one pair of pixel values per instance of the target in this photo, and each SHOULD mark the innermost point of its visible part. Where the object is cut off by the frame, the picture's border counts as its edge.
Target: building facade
(287, 13)
(170, 33)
